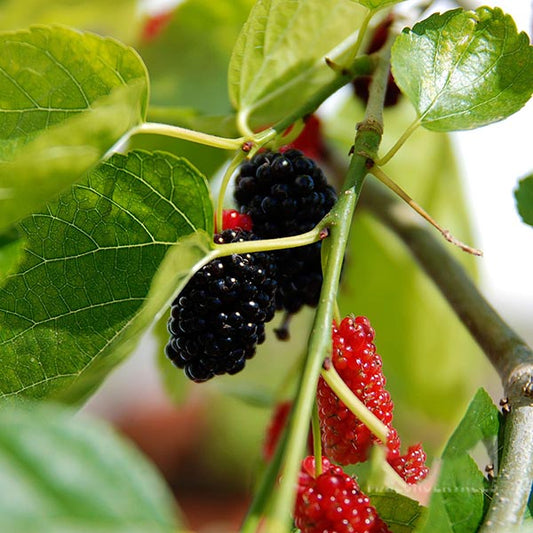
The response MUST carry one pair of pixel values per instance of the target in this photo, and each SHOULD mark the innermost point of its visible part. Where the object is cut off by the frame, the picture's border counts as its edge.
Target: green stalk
(338, 222)
(244, 247)
(320, 341)
(188, 135)
(232, 167)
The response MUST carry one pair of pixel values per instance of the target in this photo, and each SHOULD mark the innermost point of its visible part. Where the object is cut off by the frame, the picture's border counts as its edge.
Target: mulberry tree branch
(507, 351)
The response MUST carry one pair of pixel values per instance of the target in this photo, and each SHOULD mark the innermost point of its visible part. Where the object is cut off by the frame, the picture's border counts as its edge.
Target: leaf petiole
(189, 135)
(393, 186)
(399, 143)
(303, 239)
(233, 165)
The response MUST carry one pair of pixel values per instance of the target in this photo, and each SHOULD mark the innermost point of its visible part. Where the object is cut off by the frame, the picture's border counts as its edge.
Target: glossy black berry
(218, 319)
(285, 194)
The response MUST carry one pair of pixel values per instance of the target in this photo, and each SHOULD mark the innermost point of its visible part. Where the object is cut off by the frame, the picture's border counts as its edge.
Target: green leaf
(524, 199)
(399, 512)
(278, 60)
(101, 262)
(462, 70)
(480, 424)
(119, 18)
(458, 500)
(66, 98)
(63, 473)
(431, 374)
(188, 63)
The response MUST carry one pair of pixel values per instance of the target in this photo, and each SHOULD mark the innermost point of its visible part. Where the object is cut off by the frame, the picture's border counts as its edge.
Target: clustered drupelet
(345, 438)
(218, 319)
(285, 194)
(333, 502)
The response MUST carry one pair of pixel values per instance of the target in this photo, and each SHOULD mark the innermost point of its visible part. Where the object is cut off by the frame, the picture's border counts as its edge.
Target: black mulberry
(285, 194)
(218, 319)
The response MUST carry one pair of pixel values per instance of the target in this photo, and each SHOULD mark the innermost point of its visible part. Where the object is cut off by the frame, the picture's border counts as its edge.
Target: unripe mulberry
(218, 319)
(345, 438)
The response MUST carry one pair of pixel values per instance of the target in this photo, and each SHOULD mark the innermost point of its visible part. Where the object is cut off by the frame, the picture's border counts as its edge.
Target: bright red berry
(345, 438)
(232, 219)
(412, 466)
(333, 502)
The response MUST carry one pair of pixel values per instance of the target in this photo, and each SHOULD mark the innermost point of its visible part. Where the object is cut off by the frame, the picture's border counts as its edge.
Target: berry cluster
(218, 319)
(286, 194)
(345, 438)
(333, 502)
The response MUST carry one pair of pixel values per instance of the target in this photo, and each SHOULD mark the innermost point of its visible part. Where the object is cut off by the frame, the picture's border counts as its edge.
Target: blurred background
(206, 439)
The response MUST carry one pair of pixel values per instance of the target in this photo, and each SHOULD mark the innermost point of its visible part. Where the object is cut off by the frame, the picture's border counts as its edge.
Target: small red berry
(333, 502)
(154, 25)
(311, 140)
(345, 438)
(412, 466)
(274, 429)
(232, 219)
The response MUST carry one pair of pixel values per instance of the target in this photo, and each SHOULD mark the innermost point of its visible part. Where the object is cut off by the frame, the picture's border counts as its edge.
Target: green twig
(338, 223)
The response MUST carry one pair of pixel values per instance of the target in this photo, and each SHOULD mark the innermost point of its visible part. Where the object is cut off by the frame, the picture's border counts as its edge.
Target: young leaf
(67, 97)
(462, 70)
(62, 473)
(119, 18)
(458, 501)
(100, 263)
(278, 60)
(524, 199)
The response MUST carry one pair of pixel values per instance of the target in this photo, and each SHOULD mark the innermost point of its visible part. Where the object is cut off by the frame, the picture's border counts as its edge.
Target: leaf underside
(278, 60)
